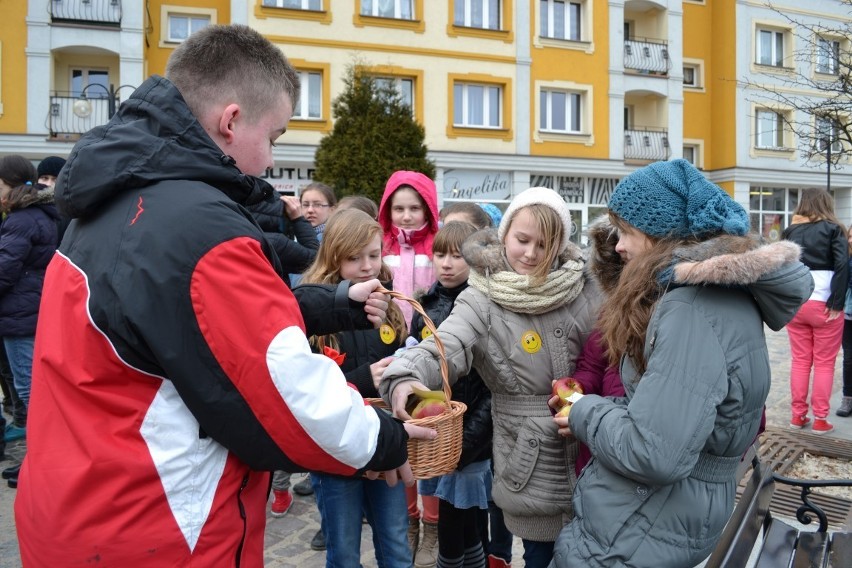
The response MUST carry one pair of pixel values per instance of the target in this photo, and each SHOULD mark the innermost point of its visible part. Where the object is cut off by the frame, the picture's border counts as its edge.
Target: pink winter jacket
(409, 254)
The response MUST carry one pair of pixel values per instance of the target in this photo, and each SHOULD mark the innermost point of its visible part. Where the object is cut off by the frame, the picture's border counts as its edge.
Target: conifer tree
(374, 134)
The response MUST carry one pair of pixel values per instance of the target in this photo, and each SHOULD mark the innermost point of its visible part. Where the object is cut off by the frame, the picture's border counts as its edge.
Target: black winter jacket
(824, 247)
(295, 257)
(28, 239)
(470, 389)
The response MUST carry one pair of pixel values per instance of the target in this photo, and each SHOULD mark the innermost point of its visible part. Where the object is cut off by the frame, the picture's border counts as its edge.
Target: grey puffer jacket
(517, 355)
(661, 484)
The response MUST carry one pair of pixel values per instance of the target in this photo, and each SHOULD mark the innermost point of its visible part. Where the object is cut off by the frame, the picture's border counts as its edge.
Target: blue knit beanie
(675, 199)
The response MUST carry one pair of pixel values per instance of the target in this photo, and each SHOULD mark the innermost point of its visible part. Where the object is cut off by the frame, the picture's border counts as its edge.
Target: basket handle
(430, 325)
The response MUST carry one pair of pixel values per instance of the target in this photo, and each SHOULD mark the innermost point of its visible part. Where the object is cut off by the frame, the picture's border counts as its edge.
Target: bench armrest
(808, 506)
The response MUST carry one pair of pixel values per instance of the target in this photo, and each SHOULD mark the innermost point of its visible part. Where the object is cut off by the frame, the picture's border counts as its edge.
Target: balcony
(647, 56)
(101, 12)
(62, 120)
(646, 144)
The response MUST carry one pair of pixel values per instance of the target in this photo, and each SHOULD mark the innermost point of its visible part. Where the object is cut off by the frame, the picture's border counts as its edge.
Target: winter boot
(497, 562)
(427, 553)
(845, 407)
(413, 534)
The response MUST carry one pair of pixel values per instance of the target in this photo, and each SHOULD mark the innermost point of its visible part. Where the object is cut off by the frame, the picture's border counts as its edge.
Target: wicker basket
(431, 458)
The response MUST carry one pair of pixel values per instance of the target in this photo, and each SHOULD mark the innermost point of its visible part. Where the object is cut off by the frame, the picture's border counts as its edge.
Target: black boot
(13, 483)
(11, 472)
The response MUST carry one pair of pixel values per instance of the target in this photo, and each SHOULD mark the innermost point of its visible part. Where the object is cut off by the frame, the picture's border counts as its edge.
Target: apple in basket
(428, 403)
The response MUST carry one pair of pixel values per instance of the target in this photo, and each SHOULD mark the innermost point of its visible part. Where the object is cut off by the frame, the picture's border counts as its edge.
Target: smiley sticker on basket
(531, 341)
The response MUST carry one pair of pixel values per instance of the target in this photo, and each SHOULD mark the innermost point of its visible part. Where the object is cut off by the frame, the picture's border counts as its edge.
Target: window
(81, 78)
(771, 209)
(397, 9)
(404, 87)
(560, 111)
(770, 47)
(477, 106)
(828, 56)
(181, 26)
(827, 129)
(769, 129)
(690, 76)
(294, 4)
(310, 101)
(477, 14)
(560, 19)
(690, 154)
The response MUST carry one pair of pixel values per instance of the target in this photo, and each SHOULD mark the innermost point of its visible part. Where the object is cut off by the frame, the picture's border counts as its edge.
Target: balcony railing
(646, 144)
(86, 11)
(647, 56)
(61, 117)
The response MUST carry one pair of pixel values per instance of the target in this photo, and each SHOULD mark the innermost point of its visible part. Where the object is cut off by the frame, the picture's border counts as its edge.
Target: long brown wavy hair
(346, 233)
(628, 309)
(817, 204)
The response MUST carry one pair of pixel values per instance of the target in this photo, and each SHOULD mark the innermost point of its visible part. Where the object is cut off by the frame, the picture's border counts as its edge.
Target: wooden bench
(783, 545)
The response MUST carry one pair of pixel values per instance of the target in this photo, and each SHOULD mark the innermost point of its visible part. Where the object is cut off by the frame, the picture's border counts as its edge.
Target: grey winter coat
(533, 466)
(661, 484)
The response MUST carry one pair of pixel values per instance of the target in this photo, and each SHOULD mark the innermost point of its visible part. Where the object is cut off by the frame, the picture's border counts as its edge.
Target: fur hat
(675, 199)
(50, 166)
(543, 196)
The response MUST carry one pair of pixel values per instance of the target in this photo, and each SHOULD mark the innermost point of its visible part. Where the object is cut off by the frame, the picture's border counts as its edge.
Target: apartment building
(573, 94)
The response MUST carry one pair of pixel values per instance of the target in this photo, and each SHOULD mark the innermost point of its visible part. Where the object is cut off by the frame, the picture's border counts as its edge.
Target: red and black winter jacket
(171, 366)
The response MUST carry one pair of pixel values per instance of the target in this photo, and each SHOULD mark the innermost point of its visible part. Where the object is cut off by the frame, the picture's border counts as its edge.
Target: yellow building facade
(572, 94)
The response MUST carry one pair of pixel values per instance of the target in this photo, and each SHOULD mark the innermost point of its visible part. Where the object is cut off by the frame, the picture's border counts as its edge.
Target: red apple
(428, 407)
(565, 387)
(564, 411)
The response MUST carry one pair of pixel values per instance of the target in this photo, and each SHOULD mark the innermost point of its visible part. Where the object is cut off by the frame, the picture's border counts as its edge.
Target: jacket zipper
(243, 516)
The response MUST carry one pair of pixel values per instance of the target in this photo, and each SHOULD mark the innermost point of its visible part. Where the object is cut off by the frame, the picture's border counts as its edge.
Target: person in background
(687, 294)
(28, 239)
(317, 202)
(361, 202)
(846, 402)
(466, 491)
(48, 170)
(816, 332)
(521, 323)
(467, 212)
(172, 371)
(494, 212)
(408, 215)
(295, 254)
(352, 250)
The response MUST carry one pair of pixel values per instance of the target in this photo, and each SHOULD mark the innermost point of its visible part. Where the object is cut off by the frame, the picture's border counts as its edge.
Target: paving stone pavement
(288, 538)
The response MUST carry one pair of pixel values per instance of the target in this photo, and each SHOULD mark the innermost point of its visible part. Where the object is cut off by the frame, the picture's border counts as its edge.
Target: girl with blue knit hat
(688, 292)
(521, 323)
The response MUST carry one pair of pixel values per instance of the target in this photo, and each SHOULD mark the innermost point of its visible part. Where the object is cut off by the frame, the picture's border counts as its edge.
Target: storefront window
(770, 210)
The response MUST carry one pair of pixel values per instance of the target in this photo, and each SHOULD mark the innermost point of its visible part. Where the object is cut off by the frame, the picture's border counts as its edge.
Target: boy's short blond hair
(232, 63)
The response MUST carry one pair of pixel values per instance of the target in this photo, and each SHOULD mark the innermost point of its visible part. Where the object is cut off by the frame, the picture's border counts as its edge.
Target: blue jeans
(341, 501)
(19, 350)
(537, 554)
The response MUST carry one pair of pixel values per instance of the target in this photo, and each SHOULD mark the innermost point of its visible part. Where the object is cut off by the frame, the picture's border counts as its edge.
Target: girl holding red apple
(520, 323)
(351, 250)
(688, 293)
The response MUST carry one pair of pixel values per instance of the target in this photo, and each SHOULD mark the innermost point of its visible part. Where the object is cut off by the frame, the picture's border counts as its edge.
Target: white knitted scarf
(516, 293)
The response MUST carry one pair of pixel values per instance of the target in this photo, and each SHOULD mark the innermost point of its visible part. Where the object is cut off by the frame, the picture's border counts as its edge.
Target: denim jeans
(19, 350)
(537, 554)
(341, 501)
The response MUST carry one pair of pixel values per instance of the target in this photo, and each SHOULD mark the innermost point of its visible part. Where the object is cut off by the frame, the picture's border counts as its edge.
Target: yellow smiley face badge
(425, 333)
(387, 334)
(531, 342)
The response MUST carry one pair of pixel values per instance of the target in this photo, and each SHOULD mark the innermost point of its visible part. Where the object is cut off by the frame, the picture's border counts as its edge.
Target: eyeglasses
(307, 205)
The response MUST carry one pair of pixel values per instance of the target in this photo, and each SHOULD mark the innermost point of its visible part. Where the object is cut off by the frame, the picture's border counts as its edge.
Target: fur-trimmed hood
(771, 272)
(483, 252)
